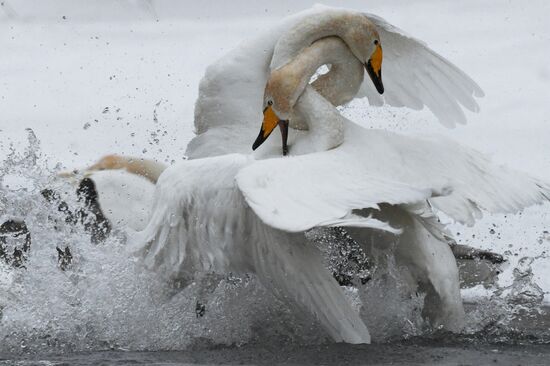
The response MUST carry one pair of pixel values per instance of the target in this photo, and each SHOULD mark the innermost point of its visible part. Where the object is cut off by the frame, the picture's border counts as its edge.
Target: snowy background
(66, 65)
(98, 77)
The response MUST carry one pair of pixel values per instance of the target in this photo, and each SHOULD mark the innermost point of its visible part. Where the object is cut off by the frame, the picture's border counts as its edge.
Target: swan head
(374, 66)
(286, 83)
(363, 40)
(281, 93)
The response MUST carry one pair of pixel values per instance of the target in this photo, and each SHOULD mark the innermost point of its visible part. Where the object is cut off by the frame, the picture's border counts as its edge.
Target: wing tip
(478, 92)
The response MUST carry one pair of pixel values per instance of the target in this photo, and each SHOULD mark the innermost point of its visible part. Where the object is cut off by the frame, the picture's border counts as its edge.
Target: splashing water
(106, 299)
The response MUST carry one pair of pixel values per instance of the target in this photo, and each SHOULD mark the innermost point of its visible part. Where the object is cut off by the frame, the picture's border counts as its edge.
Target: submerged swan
(124, 187)
(114, 193)
(147, 168)
(234, 213)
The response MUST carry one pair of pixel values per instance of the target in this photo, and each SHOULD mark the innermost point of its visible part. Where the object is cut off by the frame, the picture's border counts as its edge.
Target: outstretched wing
(415, 76)
(298, 193)
(373, 167)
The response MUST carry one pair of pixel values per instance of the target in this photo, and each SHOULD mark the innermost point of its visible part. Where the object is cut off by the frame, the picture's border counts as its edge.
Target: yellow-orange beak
(271, 120)
(374, 68)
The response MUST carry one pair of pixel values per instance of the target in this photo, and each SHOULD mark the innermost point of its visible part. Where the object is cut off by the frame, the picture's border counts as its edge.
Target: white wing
(294, 269)
(373, 167)
(415, 76)
(298, 193)
(197, 219)
(200, 222)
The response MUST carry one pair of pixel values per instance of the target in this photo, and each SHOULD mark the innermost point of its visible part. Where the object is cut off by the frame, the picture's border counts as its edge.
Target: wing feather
(374, 167)
(416, 76)
(297, 193)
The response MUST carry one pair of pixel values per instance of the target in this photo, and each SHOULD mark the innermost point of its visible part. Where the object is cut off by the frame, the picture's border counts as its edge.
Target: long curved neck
(326, 124)
(345, 75)
(315, 108)
(147, 168)
(332, 22)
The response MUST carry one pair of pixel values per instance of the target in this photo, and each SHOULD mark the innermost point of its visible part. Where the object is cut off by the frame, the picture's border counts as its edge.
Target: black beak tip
(255, 145)
(376, 79)
(259, 140)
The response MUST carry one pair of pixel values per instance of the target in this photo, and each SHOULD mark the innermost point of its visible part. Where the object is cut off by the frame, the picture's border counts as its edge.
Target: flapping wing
(375, 166)
(415, 76)
(297, 193)
(196, 205)
(479, 184)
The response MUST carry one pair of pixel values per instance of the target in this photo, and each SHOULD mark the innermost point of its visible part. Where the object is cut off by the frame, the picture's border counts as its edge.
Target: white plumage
(233, 212)
(125, 198)
(125, 187)
(415, 76)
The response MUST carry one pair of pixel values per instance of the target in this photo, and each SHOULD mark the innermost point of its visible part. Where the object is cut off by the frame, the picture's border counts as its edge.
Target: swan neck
(307, 31)
(326, 125)
(340, 84)
(313, 106)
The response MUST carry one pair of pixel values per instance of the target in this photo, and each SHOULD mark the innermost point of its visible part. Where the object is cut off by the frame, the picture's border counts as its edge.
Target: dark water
(417, 352)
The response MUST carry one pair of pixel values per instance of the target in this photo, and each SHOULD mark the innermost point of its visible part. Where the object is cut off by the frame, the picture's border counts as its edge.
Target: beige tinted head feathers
(292, 72)
(354, 28)
(281, 92)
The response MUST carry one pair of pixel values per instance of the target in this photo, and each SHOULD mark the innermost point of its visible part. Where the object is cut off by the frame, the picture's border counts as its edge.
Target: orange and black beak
(268, 125)
(374, 68)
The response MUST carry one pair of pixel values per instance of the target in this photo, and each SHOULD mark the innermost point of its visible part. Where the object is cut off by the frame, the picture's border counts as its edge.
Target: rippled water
(106, 300)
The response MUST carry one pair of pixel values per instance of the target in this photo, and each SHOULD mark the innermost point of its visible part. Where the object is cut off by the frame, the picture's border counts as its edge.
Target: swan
(121, 200)
(226, 110)
(228, 211)
(123, 187)
(337, 175)
(113, 193)
(147, 168)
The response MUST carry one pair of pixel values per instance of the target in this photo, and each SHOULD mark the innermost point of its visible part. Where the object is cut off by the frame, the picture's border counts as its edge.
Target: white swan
(201, 222)
(124, 186)
(226, 111)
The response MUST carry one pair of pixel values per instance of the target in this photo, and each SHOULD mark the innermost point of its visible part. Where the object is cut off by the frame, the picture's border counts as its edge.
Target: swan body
(228, 210)
(198, 227)
(125, 198)
(125, 187)
(128, 207)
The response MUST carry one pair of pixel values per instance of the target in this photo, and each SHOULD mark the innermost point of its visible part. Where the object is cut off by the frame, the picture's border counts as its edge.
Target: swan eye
(376, 42)
(269, 102)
